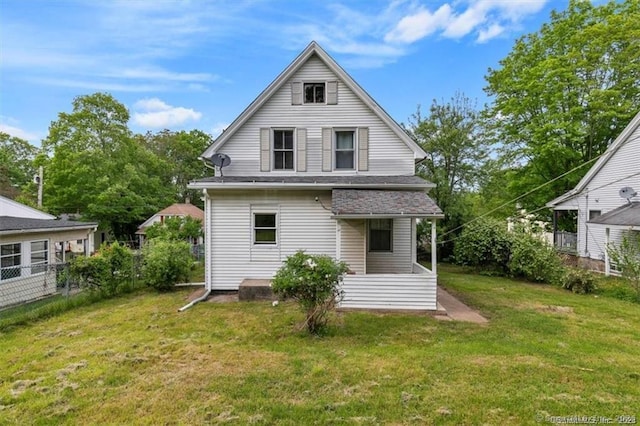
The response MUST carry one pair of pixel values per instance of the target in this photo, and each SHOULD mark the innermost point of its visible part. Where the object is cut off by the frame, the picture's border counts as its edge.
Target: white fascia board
(311, 186)
(52, 230)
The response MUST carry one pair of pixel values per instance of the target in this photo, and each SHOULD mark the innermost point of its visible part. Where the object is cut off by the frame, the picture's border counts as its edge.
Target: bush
(627, 256)
(484, 244)
(109, 270)
(534, 259)
(579, 281)
(166, 263)
(314, 282)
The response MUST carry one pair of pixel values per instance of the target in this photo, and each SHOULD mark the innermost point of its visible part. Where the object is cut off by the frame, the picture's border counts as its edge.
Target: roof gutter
(94, 228)
(283, 185)
(387, 215)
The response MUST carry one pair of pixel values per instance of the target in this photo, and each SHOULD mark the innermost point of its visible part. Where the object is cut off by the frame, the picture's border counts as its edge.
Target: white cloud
(419, 25)
(19, 133)
(487, 34)
(155, 113)
(218, 128)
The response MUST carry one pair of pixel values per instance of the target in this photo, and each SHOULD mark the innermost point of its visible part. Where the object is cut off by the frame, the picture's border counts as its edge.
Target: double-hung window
(314, 93)
(283, 149)
(265, 228)
(10, 261)
(39, 256)
(381, 235)
(345, 150)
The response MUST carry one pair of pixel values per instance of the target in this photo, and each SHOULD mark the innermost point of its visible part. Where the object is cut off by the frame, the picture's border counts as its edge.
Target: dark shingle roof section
(627, 215)
(9, 223)
(346, 202)
(337, 180)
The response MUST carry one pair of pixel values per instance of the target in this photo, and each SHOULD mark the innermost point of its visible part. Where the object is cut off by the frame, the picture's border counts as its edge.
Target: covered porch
(376, 237)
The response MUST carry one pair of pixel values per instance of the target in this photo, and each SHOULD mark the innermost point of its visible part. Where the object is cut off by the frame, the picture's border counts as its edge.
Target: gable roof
(22, 225)
(9, 207)
(313, 49)
(606, 156)
(178, 209)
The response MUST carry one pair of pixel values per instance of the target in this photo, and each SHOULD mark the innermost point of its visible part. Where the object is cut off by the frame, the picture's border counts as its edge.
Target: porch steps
(255, 289)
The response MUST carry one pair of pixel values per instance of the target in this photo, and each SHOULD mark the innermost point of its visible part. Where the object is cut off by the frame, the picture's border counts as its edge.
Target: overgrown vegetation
(176, 229)
(110, 270)
(314, 282)
(166, 263)
(239, 363)
(579, 281)
(626, 256)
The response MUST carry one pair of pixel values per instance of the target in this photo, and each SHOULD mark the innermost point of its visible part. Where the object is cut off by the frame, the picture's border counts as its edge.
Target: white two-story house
(317, 165)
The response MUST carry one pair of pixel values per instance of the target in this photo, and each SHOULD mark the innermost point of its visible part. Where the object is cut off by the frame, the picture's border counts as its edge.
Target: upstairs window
(264, 228)
(345, 150)
(10, 261)
(314, 93)
(283, 149)
(381, 235)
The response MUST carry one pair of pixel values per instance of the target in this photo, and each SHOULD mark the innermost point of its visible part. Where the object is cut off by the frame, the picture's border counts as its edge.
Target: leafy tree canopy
(16, 164)
(564, 93)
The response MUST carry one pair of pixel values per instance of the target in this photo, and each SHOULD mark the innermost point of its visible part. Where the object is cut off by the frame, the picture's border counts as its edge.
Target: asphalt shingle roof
(9, 223)
(382, 202)
(626, 215)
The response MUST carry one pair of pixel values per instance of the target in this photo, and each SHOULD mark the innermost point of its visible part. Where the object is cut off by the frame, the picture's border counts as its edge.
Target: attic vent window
(314, 93)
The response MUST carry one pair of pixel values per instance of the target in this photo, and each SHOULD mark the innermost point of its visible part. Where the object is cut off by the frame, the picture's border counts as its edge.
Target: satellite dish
(221, 160)
(627, 192)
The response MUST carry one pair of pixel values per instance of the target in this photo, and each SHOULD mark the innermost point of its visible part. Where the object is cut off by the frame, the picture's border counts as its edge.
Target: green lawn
(545, 352)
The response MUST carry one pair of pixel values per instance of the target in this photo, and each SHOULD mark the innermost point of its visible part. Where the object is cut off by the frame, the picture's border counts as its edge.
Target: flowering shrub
(314, 282)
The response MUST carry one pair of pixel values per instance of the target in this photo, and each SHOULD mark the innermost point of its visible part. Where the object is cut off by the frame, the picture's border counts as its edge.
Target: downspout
(193, 302)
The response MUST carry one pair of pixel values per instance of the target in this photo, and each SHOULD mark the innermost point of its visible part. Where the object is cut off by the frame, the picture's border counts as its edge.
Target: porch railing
(566, 241)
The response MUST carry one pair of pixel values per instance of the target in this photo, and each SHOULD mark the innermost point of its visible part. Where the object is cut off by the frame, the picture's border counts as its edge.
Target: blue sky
(196, 64)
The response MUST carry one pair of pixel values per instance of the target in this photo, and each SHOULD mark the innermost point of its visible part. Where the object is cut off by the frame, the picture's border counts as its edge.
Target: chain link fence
(21, 285)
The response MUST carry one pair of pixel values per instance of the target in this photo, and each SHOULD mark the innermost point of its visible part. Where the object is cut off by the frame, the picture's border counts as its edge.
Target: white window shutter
(327, 156)
(301, 141)
(332, 92)
(363, 148)
(265, 149)
(296, 93)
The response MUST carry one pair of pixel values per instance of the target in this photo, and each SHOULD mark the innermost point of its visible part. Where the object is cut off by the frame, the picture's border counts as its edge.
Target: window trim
(26, 269)
(314, 83)
(354, 132)
(369, 229)
(273, 212)
(273, 148)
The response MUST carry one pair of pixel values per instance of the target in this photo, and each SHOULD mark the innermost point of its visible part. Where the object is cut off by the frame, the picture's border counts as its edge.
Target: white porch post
(338, 239)
(434, 257)
(607, 264)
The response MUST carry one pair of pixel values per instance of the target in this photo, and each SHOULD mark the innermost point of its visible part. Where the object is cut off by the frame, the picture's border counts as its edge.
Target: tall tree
(451, 135)
(16, 164)
(180, 151)
(564, 92)
(97, 169)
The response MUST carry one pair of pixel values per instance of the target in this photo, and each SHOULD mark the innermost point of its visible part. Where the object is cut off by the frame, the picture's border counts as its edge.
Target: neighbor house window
(39, 256)
(10, 261)
(345, 150)
(283, 149)
(314, 93)
(264, 228)
(381, 235)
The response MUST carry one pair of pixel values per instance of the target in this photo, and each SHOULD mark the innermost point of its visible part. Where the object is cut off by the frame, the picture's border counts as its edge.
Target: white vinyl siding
(387, 154)
(399, 261)
(303, 224)
(602, 195)
(352, 244)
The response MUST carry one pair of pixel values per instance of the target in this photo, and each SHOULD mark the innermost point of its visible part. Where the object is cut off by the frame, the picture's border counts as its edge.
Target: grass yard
(546, 352)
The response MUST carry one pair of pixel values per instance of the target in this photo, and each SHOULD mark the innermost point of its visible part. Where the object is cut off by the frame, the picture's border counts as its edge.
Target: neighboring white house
(174, 210)
(29, 240)
(603, 215)
(318, 165)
